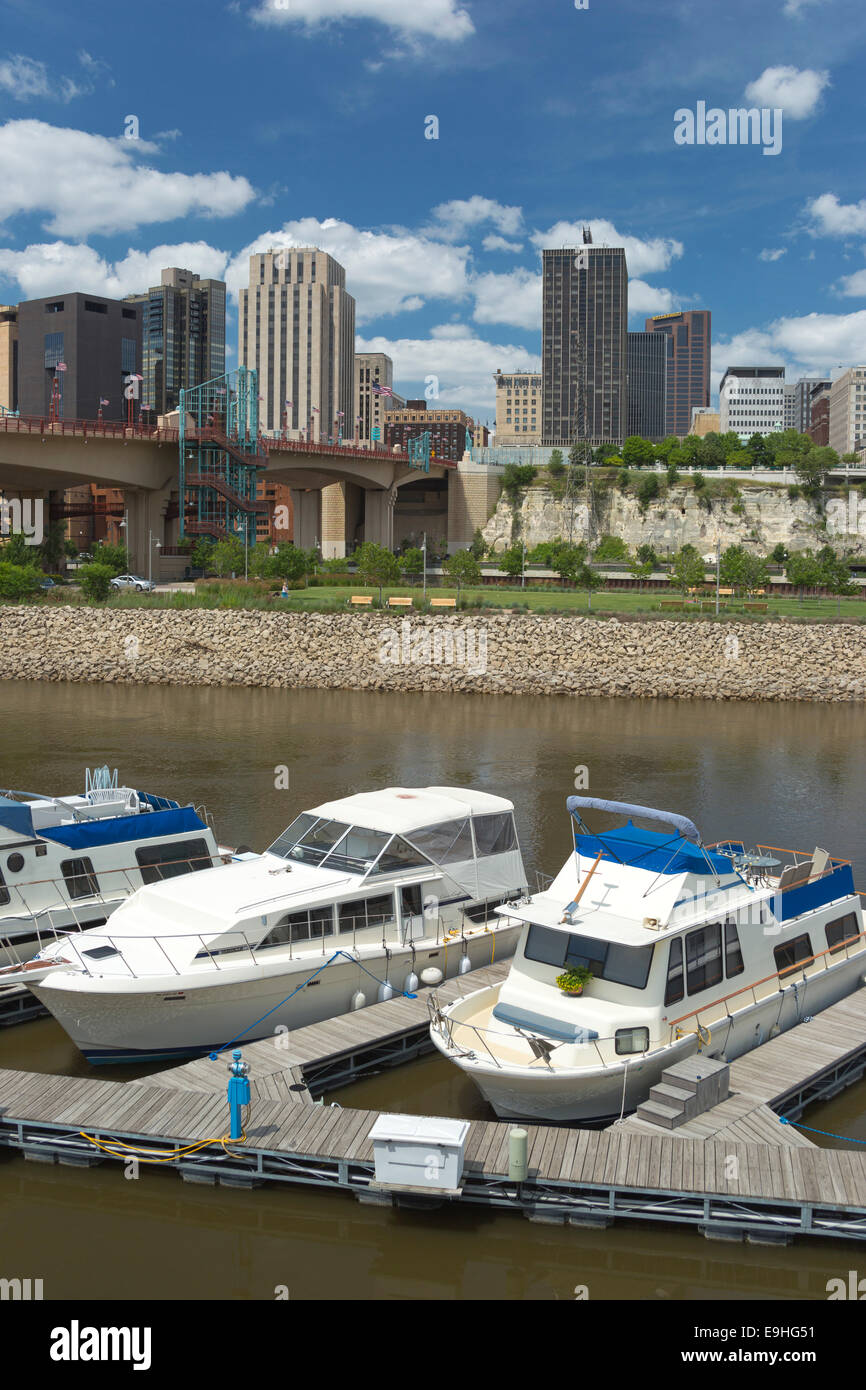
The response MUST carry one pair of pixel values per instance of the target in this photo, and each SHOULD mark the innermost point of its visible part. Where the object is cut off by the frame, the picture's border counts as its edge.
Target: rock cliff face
(502, 653)
(768, 516)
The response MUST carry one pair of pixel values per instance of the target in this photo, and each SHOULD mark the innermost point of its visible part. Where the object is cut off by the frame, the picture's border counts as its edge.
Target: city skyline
(108, 177)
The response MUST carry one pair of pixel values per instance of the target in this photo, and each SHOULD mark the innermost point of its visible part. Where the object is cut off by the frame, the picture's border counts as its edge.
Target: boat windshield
(334, 844)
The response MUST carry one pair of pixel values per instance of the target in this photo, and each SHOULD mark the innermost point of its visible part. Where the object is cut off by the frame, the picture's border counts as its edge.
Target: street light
(150, 545)
(124, 527)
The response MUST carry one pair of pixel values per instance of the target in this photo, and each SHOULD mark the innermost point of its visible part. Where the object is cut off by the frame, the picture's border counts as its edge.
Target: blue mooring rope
(403, 994)
(844, 1137)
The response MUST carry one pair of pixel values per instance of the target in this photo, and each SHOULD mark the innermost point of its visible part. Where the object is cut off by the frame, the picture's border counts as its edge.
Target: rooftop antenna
(587, 236)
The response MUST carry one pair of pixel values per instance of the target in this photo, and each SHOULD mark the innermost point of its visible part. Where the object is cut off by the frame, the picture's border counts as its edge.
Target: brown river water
(786, 774)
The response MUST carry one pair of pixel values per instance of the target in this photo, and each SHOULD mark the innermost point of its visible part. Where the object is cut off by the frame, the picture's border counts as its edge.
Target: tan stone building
(518, 407)
(296, 326)
(8, 356)
(705, 421)
(848, 411)
(373, 369)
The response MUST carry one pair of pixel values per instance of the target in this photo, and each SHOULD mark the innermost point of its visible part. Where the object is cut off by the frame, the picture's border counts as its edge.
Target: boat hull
(177, 1019)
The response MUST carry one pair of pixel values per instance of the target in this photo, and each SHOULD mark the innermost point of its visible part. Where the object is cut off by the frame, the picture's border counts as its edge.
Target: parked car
(132, 581)
(47, 583)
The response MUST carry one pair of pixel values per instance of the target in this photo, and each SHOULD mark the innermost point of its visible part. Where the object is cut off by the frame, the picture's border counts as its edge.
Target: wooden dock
(733, 1173)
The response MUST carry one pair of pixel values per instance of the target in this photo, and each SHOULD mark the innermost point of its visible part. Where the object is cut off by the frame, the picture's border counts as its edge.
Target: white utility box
(419, 1151)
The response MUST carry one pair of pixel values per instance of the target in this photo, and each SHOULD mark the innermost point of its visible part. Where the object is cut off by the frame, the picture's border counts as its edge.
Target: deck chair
(820, 861)
(793, 873)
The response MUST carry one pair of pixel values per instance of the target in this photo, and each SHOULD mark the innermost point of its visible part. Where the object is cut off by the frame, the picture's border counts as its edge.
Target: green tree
(689, 570)
(228, 556)
(95, 581)
(479, 544)
(637, 452)
(511, 561)
(741, 570)
(377, 565)
(665, 448)
(647, 556)
(115, 556)
(70, 549)
(760, 451)
(673, 473)
(779, 554)
(588, 579)
(710, 452)
(51, 551)
(516, 477)
(17, 581)
(803, 571)
(16, 551)
(567, 561)
(740, 458)
(292, 562)
(556, 464)
(812, 470)
(202, 554)
(647, 490)
(640, 571)
(611, 548)
(463, 568)
(412, 561)
(261, 561)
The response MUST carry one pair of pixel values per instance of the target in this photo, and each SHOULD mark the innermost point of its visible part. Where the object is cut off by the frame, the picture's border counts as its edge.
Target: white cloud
(643, 257)
(646, 299)
(388, 272)
(494, 242)
(853, 286)
(55, 267)
(88, 183)
(792, 8)
(513, 298)
(456, 217)
(795, 90)
(464, 365)
(773, 255)
(432, 19)
(24, 78)
(814, 344)
(832, 218)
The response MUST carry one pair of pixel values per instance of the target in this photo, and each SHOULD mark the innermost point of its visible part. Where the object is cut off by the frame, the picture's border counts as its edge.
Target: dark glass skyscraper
(98, 343)
(688, 364)
(584, 329)
(647, 385)
(183, 337)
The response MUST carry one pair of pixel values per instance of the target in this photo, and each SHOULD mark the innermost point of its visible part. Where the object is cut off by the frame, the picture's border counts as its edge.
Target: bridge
(339, 491)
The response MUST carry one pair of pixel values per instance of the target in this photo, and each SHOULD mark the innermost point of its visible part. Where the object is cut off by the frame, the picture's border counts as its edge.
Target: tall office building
(752, 400)
(296, 326)
(791, 411)
(183, 336)
(819, 413)
(584, 345)
(518, 407)
(374, 394)
(647, 385)
(848, 411)
(97, 340)
(8, 357)
(688, 337)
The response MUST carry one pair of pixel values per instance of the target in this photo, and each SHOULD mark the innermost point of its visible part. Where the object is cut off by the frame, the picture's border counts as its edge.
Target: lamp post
(124, 527)
(424, 551)
(718, 563)
(150, 545)
(523, 568)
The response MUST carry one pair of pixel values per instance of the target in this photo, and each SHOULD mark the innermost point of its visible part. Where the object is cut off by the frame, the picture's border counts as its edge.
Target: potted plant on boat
(572, 981)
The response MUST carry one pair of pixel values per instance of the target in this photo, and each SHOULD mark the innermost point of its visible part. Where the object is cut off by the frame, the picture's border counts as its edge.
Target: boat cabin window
(4, 891)
(494, 834)
(367, 912)
(317, 841)
(838, 932)
(482, 911)
(608, 960)
(733, 953)
(703, 958)
(675, 989)
(101, 952)
(311, 925)
(80, 880)
(628, 1040)
(791, 953)
(411, 900)
(449, 843)
(158, 862)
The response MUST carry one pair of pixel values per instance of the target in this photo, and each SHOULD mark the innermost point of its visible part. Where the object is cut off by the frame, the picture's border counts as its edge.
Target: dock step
(665, 1116)
(687, 1089)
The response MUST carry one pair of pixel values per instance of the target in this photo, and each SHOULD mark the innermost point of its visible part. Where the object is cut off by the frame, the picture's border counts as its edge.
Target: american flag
(315, 410)
(381, 390)
(103, 401)
(289, 404)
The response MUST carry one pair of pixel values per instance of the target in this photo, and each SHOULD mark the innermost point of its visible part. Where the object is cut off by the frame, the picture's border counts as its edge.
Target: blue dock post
(238, 1094)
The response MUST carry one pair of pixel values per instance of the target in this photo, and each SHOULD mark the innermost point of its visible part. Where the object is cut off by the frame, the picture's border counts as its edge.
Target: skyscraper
(183, 336)
(584, 345)
(688, 337)
(81, 349)
(647, 385)
(802, 396)
(8, 357)
(374, 394)
(296, 326)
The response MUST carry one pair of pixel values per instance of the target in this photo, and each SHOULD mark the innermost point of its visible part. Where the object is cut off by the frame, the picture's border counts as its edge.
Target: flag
(61, 367)
(381, 390)
(289, 405)
(103, 401)
(315, 410)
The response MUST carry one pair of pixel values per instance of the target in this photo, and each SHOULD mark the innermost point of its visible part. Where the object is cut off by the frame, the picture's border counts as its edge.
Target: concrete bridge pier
(379, 516)
(307, 512)
(145, 516)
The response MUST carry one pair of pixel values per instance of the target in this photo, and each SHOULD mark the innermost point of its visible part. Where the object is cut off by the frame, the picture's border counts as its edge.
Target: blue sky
(297, 122)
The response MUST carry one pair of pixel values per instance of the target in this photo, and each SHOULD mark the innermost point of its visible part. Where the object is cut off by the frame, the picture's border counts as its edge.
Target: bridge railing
(110, 429)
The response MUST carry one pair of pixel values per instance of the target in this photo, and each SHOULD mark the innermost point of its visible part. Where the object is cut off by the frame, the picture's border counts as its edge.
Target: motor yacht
(354, 902)
(68, 862)
(647, 947)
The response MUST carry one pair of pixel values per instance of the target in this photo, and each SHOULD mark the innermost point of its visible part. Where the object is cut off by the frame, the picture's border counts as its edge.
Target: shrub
(611, 548)
(17, 581)
(96, 582)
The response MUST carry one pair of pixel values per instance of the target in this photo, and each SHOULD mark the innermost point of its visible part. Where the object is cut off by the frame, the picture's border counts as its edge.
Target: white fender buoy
(410, 984)
(385, 992)
(465, 964)
(359, 999)
(431, 976)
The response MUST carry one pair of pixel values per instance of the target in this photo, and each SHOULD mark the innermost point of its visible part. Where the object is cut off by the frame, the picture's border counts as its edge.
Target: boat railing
(40, 918)
(776, 982)
(446, 1026)
(542, 881)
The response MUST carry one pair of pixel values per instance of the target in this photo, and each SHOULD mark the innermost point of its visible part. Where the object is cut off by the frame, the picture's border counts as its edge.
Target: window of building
(93, 307)
(837, 932)
(53, 349)
(128, 313)
(791, 953)
(80, 880)
(55, 308)
(158, 862)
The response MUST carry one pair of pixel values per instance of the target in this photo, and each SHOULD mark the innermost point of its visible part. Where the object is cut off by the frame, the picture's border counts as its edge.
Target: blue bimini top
(121, 829)
(654, 850)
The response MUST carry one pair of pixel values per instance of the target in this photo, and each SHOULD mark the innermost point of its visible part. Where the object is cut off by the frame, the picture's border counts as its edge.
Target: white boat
(688, 946)
(354, 901)
(68, 862)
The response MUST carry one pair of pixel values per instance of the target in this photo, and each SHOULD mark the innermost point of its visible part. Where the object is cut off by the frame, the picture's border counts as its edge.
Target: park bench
(361, 600)
(755, 607)
(398, 601)
(672, 603)
(443, 603)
